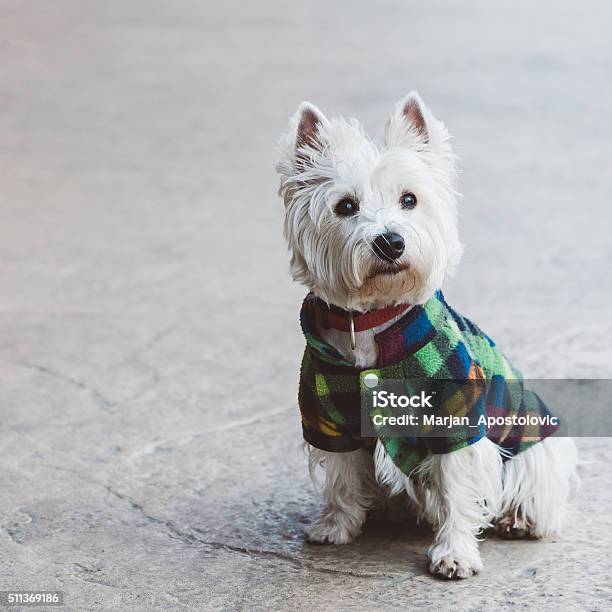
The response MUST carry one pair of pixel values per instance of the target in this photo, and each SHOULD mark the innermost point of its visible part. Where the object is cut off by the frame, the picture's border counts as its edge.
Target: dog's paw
(516, 527)
(333, 528)
(454, 564)
(451, 567)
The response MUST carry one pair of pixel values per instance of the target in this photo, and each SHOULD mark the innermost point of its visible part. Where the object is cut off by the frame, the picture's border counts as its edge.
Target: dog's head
(369, 224)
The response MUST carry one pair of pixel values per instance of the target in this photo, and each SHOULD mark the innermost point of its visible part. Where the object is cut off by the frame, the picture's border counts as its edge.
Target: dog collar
(332, 317)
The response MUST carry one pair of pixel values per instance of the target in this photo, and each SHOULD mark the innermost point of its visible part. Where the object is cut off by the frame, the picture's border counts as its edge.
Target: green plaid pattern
(431, 342)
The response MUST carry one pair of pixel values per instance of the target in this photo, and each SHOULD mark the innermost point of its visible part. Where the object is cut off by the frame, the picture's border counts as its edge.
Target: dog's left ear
(412, 124)
(412, 110)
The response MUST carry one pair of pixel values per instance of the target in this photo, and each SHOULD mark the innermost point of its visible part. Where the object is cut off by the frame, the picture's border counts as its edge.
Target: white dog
(372, 228)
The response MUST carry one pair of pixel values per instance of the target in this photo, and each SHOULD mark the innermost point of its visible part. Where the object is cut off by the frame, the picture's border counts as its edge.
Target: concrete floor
(149, 345)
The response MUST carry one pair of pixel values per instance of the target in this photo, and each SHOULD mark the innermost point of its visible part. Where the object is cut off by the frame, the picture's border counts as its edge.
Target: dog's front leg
(465, 488)
(348, 490)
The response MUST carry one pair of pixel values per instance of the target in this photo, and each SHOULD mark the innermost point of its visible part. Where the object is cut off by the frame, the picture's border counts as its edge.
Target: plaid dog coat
(430, 342)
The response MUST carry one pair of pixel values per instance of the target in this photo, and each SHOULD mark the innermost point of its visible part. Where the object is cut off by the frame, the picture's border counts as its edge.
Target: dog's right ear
(306, 127)
(306, 136)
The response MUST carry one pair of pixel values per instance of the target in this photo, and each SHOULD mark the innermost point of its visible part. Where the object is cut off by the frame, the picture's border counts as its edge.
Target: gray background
(149, 343)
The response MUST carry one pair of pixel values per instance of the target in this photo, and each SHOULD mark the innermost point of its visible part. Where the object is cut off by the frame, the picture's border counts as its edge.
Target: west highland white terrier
(372, 231)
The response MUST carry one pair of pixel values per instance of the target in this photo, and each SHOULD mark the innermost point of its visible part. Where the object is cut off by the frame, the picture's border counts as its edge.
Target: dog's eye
(408, 200)
(346, 207)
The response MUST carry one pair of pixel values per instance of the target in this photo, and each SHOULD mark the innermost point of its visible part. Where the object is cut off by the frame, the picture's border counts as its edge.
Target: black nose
(389, 246)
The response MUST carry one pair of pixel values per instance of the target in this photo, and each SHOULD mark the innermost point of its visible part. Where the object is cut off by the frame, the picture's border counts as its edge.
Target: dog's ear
(309, 121)
(410, 123)
(413, 126)
(305, 133)
(413, 110)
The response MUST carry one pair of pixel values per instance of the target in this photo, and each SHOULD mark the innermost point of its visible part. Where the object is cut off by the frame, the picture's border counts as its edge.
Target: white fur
(460, 493)
(333, 255)
(537, 485)
(348, 490)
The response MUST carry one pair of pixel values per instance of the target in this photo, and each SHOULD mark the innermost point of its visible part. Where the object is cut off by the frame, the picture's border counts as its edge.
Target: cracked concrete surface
(149, 347)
